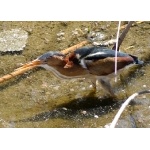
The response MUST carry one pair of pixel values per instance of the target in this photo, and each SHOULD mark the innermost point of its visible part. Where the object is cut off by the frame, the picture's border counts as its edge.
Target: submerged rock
(13, 40)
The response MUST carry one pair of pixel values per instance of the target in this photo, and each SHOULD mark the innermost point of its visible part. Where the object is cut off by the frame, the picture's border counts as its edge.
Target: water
(39, 99)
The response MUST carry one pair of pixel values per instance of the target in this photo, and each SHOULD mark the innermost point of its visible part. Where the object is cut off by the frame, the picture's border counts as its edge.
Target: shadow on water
(81, 108)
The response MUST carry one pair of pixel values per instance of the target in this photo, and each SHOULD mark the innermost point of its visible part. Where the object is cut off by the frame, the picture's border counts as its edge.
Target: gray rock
(13, 40)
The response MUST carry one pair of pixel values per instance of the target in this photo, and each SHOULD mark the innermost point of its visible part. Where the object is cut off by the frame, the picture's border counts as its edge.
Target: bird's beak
(33, 64)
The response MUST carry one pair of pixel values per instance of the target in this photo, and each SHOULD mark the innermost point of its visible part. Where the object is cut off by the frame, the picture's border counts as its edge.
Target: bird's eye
(45, 61)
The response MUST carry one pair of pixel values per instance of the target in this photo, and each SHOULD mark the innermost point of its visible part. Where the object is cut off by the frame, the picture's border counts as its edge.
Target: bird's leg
(105, 82)
(93, 91)
(93, 81)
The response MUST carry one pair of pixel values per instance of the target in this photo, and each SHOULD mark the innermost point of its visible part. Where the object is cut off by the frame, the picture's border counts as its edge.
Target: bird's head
(51, 58)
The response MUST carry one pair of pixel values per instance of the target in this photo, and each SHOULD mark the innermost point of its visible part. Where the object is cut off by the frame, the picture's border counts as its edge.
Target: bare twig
(122, 36)
(124, 105)
(16, 73)
(73, 48)
(124, 26)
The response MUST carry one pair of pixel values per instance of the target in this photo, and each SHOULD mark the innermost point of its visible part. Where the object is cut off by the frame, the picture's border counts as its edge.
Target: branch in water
(123, 35)
(124, 105)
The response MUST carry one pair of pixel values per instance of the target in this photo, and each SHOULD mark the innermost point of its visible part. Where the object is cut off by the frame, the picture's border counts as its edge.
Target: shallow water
(39, 99)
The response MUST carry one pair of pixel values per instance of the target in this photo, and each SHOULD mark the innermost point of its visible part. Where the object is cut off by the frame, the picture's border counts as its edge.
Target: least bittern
(94, 63)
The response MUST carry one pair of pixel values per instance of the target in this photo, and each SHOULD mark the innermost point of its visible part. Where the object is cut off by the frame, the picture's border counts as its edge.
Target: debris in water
(95, 116)
(13, 40)
(64, 108)
(84, 112)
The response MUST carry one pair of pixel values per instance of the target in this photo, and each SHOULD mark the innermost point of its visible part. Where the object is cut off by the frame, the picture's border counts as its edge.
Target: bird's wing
(99, 53)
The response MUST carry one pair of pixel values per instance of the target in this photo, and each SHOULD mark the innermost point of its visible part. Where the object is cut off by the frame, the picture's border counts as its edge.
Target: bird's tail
(137, 61)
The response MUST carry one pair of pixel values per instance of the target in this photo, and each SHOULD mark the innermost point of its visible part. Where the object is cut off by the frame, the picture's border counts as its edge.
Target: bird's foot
(105, 82)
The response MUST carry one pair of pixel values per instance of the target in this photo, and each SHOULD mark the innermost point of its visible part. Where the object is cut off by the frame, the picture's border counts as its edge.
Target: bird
(90, 62)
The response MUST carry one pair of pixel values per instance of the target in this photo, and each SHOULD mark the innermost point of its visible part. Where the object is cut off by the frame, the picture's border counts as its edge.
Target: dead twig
(124, 26)
(73, 48)
(123, 35)
(124, 105)
(16, 73)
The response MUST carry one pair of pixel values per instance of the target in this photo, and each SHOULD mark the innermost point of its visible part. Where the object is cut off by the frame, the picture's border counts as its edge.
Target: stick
(73, 48)
(16, 73)
(123, 35)
(124, 105)
(124, 26)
